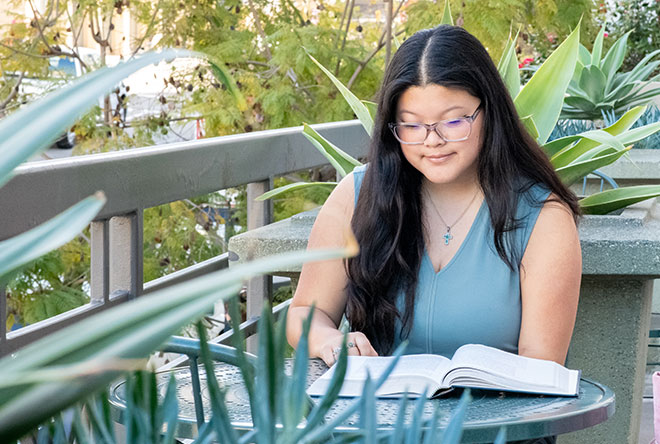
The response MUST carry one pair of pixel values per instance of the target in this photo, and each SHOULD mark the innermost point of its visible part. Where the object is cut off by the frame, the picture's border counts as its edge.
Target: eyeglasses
(450, 130)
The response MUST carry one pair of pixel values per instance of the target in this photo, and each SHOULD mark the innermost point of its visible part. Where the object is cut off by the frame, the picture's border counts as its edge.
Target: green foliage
(50, 285)
(598, 87)
(179, 234)
(640, 19)
(576, 156)
(297, 202)
(650, 116)
(540, 100)
(280, 83)
(491, 22)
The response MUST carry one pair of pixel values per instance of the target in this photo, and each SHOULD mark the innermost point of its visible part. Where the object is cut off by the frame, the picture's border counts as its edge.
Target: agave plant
(281, 411)
(597, 87)
(539, 103)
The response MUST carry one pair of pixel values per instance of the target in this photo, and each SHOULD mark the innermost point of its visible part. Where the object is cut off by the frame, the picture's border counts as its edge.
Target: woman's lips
(439, 158)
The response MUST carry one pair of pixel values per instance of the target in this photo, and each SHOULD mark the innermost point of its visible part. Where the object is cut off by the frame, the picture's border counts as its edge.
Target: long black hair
(387, 220)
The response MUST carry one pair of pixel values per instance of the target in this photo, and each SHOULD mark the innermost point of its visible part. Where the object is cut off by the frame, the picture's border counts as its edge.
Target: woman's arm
(324, 283)
(550, 275)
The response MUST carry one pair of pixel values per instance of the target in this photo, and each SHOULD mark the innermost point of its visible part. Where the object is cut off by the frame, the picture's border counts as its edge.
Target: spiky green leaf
(543, 96)
(576, 171)
(508, 67)
(19, 250)
(446, 15)
(342, 161)
(615, 199)
(356, 105)
(295, 186)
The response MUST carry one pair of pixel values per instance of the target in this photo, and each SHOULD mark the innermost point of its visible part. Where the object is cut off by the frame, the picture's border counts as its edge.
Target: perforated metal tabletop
(524, 416)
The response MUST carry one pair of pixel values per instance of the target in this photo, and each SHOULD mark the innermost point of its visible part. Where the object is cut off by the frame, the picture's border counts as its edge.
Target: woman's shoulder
(342, 197)
(540, 196)
(532, 194)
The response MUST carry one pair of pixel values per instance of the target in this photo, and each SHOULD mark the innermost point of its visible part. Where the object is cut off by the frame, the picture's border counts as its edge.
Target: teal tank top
(475, 298)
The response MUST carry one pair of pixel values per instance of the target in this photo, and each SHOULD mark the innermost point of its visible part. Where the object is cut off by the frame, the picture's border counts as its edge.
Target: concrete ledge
(628, 244)
(644, 168)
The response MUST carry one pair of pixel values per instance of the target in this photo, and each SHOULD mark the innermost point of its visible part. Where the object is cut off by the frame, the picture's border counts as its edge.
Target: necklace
(447, 236)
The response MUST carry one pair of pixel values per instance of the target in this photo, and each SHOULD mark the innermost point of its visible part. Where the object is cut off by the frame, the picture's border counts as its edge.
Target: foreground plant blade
(26, 247)
(342, 161)
(36, 126)
(372, 107)
(296, 403)
(590, 140)
(446, 15)
(562, 153)
(508, 67)
(356, 105)
(454, 429)
(91, 347)
(296, 186)
(574, 172)
(612, 200)
(501, 436)
(542, 97)
(220, 420)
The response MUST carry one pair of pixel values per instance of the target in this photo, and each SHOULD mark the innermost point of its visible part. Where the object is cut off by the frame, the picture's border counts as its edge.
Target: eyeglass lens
(449, 130)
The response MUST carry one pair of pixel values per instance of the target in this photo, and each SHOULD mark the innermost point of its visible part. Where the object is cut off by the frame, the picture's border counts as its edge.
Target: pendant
(447, 236)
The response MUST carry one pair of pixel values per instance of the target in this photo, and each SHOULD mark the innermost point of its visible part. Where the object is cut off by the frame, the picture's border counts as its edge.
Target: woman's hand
(357, 343)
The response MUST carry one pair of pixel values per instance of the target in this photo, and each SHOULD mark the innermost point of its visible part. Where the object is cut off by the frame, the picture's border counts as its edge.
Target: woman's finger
(363, 345)
(328, 356)
(351, 343)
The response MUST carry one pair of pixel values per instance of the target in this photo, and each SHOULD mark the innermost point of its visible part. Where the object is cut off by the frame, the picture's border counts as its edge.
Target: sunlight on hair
(423, 68)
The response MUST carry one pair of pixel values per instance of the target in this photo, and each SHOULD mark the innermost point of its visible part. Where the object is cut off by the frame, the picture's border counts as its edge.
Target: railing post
(125, 254)
(100, 262)
(259, 288)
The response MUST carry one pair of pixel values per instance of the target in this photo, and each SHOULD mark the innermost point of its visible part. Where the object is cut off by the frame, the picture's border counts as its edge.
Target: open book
(476, 366)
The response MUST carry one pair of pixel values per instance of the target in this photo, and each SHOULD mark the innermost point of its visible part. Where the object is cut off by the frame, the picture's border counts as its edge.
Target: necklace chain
(448, 236)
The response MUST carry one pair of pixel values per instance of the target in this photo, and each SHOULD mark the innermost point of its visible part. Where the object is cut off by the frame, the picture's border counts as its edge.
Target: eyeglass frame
(434, 127)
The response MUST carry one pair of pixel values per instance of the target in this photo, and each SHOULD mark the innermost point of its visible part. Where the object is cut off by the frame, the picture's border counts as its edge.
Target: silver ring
(335, 352)
(350, 344)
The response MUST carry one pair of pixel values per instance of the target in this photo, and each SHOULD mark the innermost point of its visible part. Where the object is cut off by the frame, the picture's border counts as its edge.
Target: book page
(508, 370)
(412, 372)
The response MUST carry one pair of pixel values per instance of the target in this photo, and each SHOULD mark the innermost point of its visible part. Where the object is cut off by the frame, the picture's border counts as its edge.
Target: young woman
(466, 234)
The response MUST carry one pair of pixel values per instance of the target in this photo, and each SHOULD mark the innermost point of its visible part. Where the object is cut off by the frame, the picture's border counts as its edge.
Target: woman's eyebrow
(451, 108)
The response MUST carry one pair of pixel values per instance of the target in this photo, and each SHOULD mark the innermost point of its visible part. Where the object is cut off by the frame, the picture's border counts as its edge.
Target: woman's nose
(433, 139)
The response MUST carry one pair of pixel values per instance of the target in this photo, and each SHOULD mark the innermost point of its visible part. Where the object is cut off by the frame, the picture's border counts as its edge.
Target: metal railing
(137, 179)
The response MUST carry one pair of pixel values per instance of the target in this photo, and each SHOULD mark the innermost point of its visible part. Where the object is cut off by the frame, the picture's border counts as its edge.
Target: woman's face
(439, 161)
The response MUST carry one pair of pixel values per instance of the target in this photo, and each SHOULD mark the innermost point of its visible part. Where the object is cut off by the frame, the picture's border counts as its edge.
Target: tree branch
(76, 35)
(96, 34)
(379, 46)
(12, 94)
(364, 63)
(262, 34)
(146, 32)
(343, 43)
(25, 53)
(37, 25)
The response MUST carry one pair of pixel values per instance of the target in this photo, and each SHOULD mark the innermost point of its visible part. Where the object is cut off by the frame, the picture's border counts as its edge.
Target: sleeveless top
(475, 298)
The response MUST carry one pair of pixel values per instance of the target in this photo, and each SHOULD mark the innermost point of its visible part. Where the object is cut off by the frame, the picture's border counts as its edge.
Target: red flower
(525, 62)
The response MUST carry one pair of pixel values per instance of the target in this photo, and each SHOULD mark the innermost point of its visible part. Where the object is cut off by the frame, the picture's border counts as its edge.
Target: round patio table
(524, 416)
